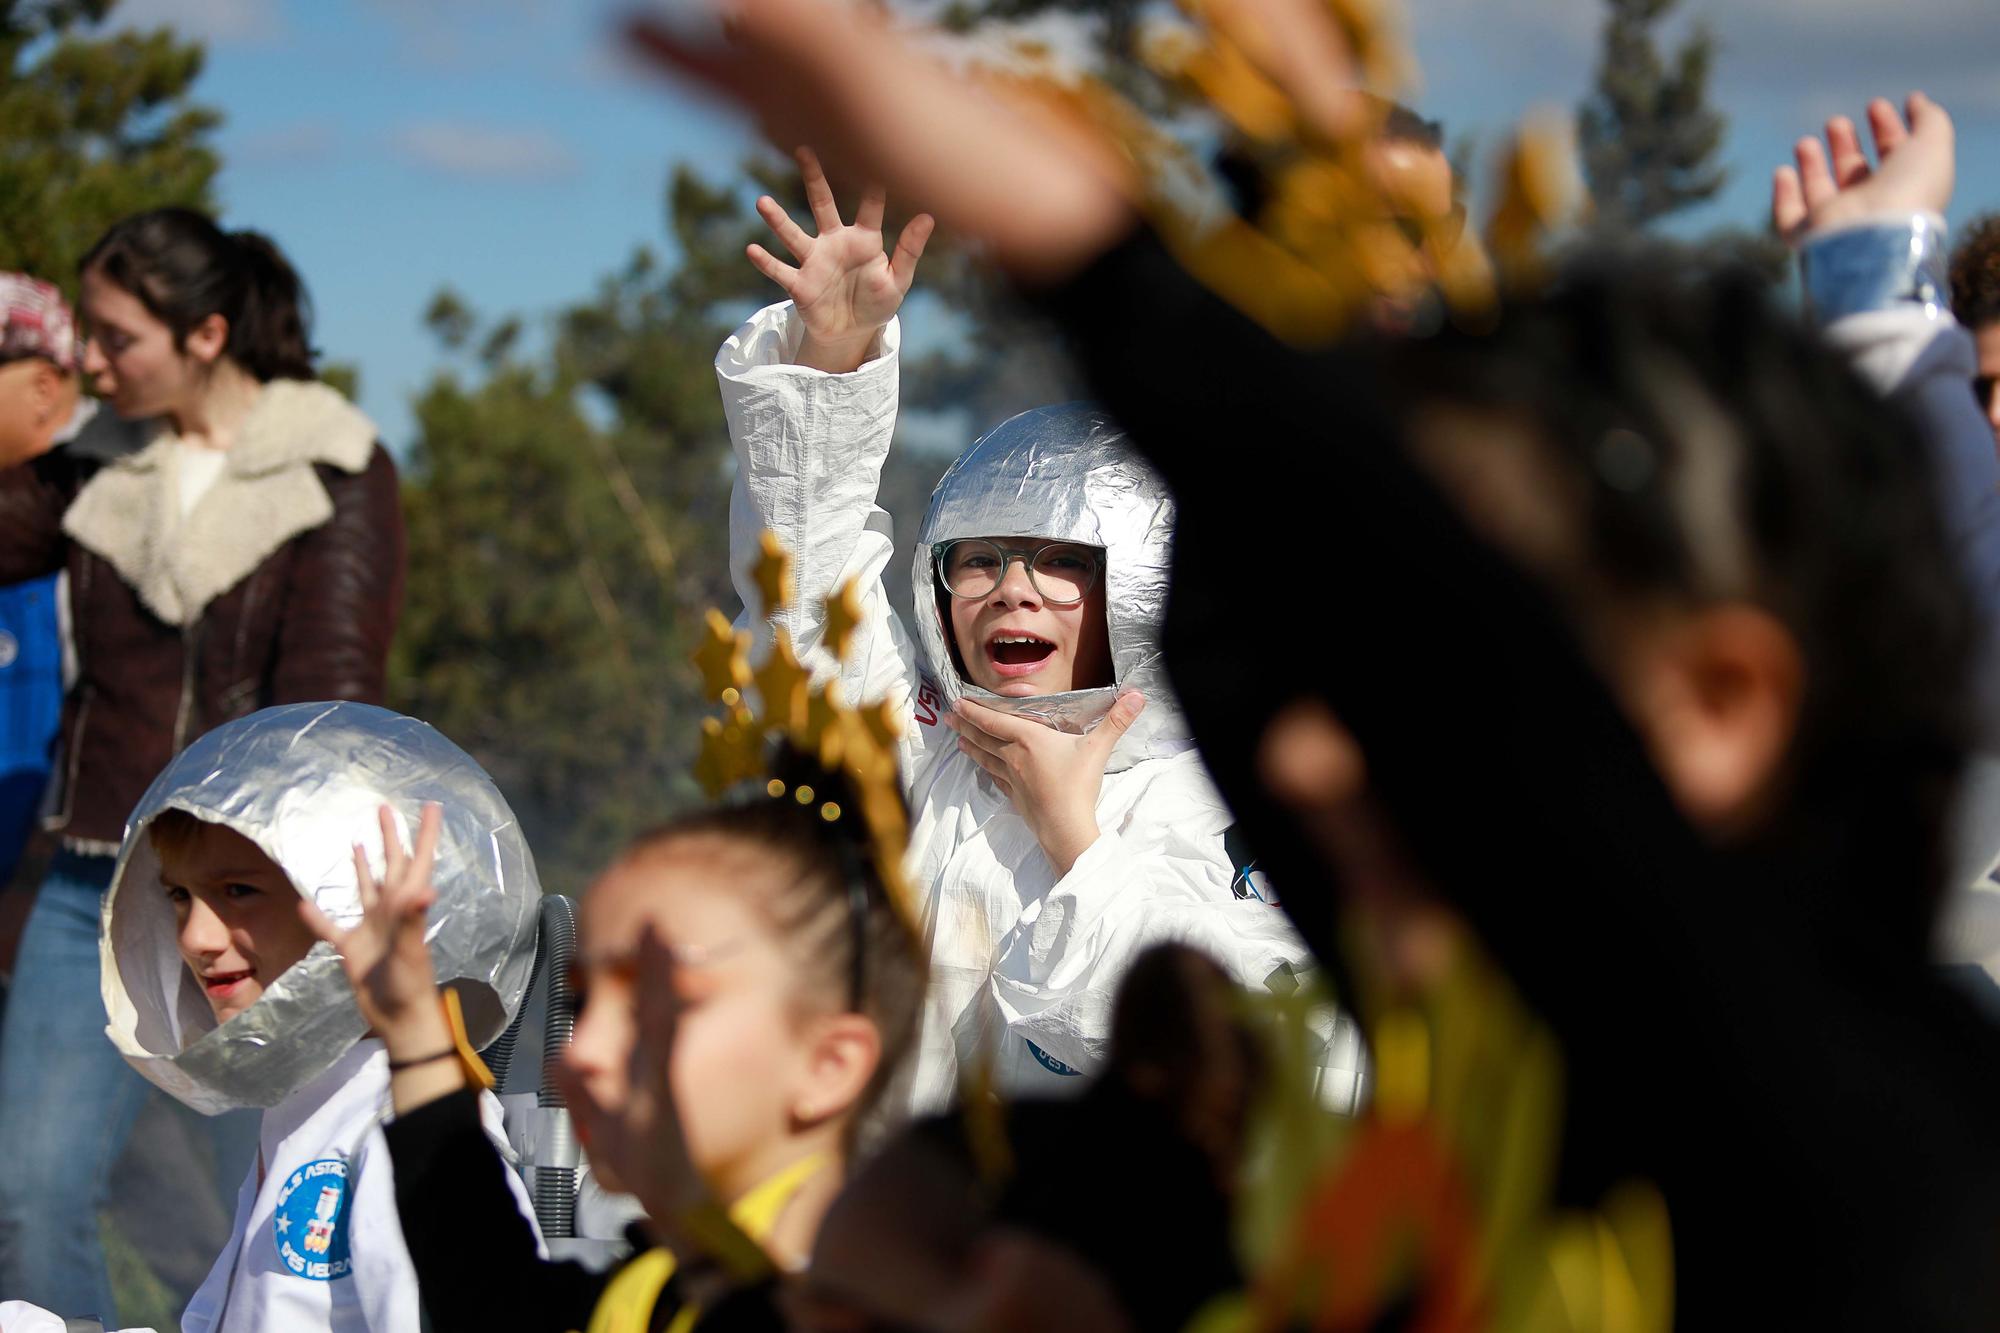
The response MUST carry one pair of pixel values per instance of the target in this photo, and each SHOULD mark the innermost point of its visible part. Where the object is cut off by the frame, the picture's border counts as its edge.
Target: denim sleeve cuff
(1877, 265)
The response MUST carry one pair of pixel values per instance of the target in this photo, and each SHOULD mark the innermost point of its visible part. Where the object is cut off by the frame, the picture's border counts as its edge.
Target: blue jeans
(67, 1104)
(67, 1101)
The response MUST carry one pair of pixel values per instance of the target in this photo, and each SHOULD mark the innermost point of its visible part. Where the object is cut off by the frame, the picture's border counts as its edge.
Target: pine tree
(94, 126)
(1648, 135)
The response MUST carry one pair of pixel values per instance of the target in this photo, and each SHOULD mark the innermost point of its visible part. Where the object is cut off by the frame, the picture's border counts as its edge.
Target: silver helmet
(1063, 473)
(304, 782)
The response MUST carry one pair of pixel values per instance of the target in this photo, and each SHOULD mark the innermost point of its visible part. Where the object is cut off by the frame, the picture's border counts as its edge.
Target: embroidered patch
(1050, 1063)
(310, 1225)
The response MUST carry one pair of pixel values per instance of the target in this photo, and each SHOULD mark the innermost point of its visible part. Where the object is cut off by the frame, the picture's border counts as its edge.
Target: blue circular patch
(1050, 1063)
(310, 1224)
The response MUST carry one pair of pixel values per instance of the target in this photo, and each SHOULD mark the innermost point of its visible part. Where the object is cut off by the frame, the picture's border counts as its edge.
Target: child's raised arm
(389, 964)
(809, 389)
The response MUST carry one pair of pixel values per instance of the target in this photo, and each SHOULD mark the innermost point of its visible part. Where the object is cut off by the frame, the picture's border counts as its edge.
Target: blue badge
(310, 1225)
(1050, 1063)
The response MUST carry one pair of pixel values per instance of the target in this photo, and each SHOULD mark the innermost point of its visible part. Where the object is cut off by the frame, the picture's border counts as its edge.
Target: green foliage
(93, 126)
(1648, 134)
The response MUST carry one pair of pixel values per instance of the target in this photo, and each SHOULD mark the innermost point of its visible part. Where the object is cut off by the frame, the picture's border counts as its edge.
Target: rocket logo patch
(1050, 1063)
(310, 1223)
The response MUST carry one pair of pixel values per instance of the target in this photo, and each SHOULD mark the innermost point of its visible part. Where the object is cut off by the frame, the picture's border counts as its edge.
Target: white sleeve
(809, 453)
(1162, 875)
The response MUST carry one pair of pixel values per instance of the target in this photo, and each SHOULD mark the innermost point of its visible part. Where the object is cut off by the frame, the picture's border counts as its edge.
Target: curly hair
(1975, 273)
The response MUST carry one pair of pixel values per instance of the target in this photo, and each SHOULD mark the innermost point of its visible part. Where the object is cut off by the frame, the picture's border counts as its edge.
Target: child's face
(743, 1047)
(237, 917)
(1065, 648)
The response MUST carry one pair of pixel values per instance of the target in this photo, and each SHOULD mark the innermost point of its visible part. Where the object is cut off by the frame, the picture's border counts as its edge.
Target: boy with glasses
(1062, 821)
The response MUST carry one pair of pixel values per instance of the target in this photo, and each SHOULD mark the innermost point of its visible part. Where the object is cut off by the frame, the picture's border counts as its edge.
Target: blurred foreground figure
(1668, 715)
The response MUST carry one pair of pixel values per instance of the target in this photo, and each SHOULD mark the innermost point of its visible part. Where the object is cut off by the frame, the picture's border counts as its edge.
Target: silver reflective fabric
(1877, 265)
(304, 782)
(1063, 473)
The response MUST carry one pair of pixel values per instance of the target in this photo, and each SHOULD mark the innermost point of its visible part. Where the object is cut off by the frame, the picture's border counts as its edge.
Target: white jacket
(317, 1243)
(1024, 964)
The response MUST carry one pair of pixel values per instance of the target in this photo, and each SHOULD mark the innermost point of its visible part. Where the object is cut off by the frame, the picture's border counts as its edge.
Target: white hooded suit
(316, 1242)
(1024, 964)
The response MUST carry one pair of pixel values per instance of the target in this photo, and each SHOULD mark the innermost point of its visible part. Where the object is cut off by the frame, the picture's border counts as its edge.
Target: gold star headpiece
(859, 743)
(1337, 231)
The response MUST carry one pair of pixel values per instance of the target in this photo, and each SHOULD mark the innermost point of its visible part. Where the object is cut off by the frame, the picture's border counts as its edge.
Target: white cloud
(206, 20)
(486, 151)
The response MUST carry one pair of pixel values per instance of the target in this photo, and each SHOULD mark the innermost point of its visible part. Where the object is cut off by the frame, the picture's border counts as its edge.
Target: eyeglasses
(1061, 573)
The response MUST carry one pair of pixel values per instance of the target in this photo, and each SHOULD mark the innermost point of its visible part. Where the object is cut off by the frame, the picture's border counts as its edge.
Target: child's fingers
(868, 213)
(910, 248)
(1850, 164)
(1788, 201)
(772, 267)
(319, 923)
(659, 995)
(364, 880)
(788, 232)
(826, 214)
(1814, 174)
(1887, 127)
(392, 845)
(429, 827)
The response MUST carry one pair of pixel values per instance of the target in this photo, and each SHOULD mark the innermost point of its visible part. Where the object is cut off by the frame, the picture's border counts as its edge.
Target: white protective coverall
(316, 1242)
(1024, 964)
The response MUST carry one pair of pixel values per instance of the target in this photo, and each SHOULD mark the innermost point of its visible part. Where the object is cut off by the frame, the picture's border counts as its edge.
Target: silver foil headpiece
(1063, 473)
(304, 782)
(1879, 264)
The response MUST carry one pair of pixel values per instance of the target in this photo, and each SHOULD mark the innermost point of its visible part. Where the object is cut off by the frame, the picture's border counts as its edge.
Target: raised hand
(1832, 184)
(642, 1141)
(1051, 777)
(846, 288)
(1043, 190)
(385, 956)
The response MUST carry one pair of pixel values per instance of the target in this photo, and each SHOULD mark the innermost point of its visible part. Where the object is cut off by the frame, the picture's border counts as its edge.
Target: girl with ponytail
(250, 554)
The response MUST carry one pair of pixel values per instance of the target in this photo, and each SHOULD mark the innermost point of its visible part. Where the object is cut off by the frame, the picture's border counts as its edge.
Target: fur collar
(266, 494)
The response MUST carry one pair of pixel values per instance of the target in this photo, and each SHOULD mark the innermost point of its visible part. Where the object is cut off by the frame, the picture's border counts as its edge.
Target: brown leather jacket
(282, 585)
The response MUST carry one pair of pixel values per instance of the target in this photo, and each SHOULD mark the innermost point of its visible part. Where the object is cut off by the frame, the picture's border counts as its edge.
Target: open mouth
(221, 985)
(1015, 653)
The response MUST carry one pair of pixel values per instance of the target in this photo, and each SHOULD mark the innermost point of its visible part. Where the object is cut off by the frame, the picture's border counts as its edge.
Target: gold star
(782, 682)
(884, 723)
(773, 573)
(843, 615)
(824, 731)
(723, 657)
(730, 752)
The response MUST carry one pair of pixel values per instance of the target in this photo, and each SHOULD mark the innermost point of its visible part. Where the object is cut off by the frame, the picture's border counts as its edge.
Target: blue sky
(500, 146)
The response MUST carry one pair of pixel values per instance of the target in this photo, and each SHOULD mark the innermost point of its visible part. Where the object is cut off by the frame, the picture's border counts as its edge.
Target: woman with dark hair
(251, 554)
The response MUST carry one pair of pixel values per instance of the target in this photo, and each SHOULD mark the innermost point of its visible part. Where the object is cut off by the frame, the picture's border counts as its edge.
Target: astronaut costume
(1024, 964)
(316, 1242)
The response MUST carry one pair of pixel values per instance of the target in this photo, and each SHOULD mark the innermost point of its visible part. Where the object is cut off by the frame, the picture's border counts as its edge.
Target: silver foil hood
(1064, 473)
(304, 782)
